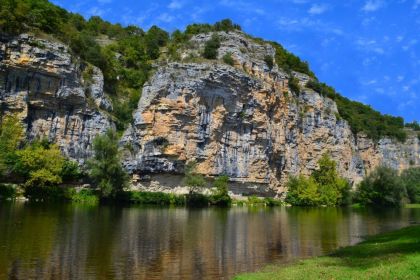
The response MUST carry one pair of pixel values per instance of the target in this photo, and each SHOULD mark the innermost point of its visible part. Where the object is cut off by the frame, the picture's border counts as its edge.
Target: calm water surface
(41, 241)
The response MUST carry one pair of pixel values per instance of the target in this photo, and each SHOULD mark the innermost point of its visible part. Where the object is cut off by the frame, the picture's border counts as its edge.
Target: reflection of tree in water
(78, 242)
(26, 240)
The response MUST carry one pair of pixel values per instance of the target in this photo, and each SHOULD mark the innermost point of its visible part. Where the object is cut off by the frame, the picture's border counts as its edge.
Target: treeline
(383, 187)
(361, 117)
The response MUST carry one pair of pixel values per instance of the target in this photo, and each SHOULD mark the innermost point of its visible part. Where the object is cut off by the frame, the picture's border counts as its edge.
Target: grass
(393, 255)
(412, 205)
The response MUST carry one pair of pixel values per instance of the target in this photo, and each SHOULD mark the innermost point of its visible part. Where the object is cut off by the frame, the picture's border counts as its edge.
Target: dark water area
(70, 241)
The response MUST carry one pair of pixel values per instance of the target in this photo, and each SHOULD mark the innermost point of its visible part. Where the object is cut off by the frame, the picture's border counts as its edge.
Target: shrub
(221, 196)
(11, 135)
(381, 188)
(323, 187)
(294, 85)
(303, 191)
(227, 58)
(70, 171)
(197, 200)
(269, 61)
(411, 180)
(40, 164)
(7, 191)
(193, 180)
(211, 47)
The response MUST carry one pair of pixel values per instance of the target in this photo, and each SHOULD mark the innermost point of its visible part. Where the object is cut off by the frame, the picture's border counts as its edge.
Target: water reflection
(82, 242)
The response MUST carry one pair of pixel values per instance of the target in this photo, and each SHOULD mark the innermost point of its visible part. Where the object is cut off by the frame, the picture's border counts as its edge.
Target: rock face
(241, 120)
(43, 84)
(244, 121)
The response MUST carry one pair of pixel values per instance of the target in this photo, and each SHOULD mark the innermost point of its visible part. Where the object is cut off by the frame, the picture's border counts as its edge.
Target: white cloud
(416, 4)
(292, 24)
(176, 4)
(104, 1)
(318, 9)
(372, 5)
(165, 17)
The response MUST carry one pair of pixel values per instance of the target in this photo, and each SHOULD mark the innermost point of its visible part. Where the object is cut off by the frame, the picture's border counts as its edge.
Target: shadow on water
(68, 241)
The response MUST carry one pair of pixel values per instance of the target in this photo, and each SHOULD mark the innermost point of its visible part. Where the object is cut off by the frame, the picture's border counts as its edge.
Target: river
(75, 241)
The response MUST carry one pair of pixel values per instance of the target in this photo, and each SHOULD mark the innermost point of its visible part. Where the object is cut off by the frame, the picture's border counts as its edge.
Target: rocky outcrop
(241, 120)
(245, 122)
(42, 82)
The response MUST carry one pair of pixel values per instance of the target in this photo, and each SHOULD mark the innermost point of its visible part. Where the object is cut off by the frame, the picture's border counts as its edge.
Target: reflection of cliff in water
(81, 242)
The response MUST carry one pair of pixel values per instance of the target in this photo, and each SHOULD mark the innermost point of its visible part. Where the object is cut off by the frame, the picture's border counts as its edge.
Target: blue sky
(369, 50)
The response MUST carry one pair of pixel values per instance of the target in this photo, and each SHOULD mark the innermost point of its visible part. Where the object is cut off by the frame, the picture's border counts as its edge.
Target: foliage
(11, 135)
(227, 58)
(211, 47)
(362, 118)
(223, 25)
(192, 179)
(393, 255)
(7, 191)
(289, 62)
(70, 171)
(152, 198)
(413, 125)
(294, 85)
(381, 188)
(269, 61)
(221, 195)
(410, 178)
(105, 168)
(323, 187)
(40, 164)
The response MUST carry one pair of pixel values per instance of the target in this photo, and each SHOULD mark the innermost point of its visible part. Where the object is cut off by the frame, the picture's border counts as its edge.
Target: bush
(227, 58)
(70, 171)
(411, 180)
(193, 180)
(197, 200)
(381, 188)
(323, 187)
(11, 135)
(221, 196)
(271, 202)
(46, 193)
(7, 191)
(211, 47)
(294, 85)
(269, 61)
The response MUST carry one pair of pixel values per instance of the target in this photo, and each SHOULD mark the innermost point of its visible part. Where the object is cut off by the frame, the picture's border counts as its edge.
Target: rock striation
(42, 82)
(242, 120)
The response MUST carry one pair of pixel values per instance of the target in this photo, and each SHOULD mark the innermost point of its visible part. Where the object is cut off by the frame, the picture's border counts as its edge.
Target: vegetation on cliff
(393, 255)
(125, 55)
(323, 187)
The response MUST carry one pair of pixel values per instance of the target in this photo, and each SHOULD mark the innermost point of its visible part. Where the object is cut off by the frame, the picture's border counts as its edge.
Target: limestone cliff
(42, 82)
(241, 120)
(244, 121)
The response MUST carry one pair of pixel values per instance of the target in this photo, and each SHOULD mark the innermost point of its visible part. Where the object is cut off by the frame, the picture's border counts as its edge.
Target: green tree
(303, 191)
(411, 180)
(11, 135)
(332, 188)
(193, 180)
(221, 195)
(323, 187)
(40, 164)
(211, 47)
(381, 188)
(105, 168)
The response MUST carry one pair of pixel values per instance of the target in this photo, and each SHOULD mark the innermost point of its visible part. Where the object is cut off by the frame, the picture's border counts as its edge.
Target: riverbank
(91, 196)
(393, 255)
